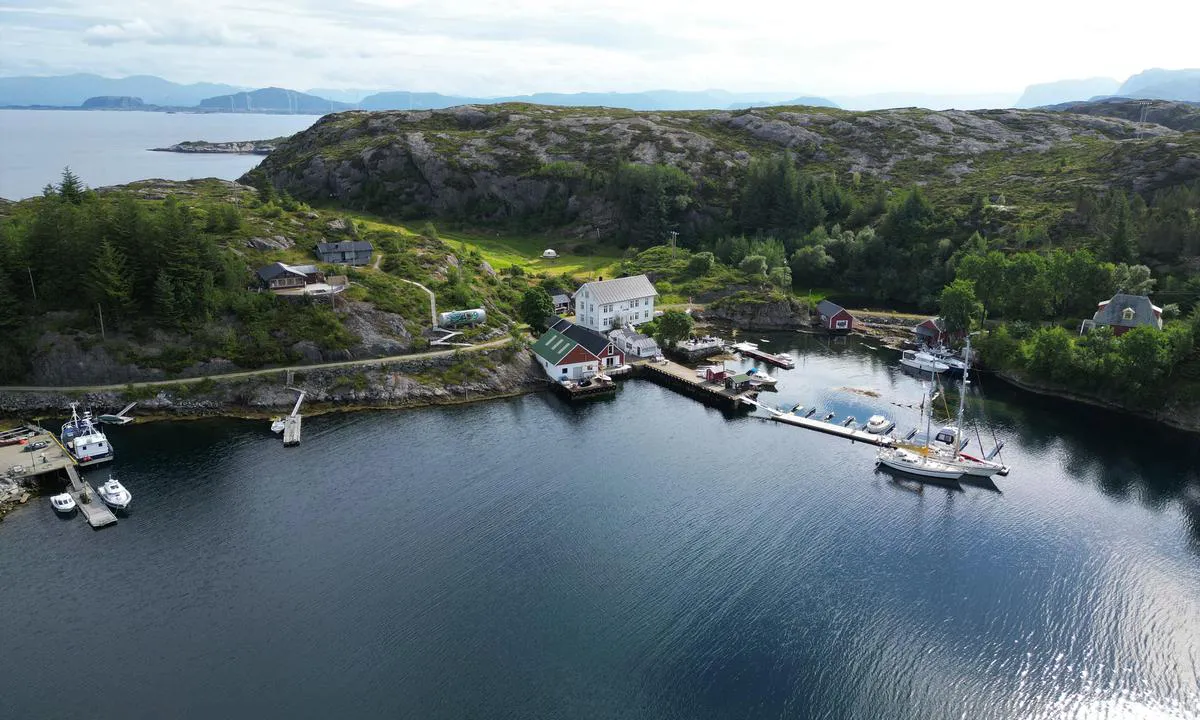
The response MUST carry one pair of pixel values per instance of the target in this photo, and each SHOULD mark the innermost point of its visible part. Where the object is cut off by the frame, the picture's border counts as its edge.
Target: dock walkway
(842, 431)
(94, 510)
(681, 377)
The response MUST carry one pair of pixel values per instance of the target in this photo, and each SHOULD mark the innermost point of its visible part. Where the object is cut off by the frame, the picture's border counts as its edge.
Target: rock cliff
(504, 161)
(756, 314)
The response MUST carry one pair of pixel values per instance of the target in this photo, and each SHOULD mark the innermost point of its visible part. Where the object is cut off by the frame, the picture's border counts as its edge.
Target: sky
(503, 47)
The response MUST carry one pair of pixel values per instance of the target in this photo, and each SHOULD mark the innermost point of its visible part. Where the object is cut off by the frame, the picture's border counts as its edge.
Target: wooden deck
(291, 430)
(95, 512)
(680, 377)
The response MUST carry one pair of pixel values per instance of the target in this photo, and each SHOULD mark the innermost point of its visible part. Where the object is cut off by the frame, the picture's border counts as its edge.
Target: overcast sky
(497, 47)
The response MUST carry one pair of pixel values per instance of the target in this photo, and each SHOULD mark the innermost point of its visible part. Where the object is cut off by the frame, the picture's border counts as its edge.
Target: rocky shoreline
(447, 380)
(1185, 419)
(241, 147)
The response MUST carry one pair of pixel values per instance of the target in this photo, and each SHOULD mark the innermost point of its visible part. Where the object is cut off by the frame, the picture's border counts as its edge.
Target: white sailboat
(917, 460)
(948, 444)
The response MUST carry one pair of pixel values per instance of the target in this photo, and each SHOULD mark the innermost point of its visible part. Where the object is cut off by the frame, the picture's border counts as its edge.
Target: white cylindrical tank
(454, 318)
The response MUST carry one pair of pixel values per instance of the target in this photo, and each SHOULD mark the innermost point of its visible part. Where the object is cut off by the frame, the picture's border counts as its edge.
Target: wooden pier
(291, 424)
(680, 377)
(291, 430)
(88, 501)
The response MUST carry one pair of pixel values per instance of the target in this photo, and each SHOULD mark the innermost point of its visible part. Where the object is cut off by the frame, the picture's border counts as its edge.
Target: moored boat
(86, 442)
(63, 503)
(114, 494)
(277, 424)
(915, 463)
(783, 360)
(878, 425)
(922, 362)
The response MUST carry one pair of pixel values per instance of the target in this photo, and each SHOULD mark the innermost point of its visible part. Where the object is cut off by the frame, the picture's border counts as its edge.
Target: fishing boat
(114, 494)
(922, 362)
(86, 442)
(63, 503)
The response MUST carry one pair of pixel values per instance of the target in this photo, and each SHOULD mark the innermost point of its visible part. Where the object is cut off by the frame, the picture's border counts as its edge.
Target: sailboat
(948, 444)
(918, 460)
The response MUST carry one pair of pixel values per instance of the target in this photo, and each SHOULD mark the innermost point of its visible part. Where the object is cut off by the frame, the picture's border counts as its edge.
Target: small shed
(549, 254)
(738, 383)
(716, 375)
(562, 303)
(834, 317)
(933, 332)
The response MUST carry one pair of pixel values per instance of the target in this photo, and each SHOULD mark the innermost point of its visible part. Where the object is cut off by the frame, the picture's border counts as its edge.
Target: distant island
(236, 147)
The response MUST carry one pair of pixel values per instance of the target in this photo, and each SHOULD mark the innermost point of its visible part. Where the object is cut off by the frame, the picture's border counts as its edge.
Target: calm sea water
(110, 148)
(645, 557)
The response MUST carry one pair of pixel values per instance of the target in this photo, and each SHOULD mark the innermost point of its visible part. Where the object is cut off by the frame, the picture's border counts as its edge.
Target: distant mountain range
(72, 90)
(1155, 84)
(86, 91)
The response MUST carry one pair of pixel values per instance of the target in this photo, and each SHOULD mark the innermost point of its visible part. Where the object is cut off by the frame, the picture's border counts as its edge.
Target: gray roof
(277, 269)
(1113, 311)
(630, 336)
(829, 309)
(305, 269)
(346, 246)
(607, 292)
(560, 299)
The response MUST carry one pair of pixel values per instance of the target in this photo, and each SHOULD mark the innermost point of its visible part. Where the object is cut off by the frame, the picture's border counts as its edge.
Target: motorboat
(743, 346)
(63, 503)
(86, 442)
(114, 494)
(121, 417)
(758, 377)
(277, 424)
(915, 463)
(878, 425)
(944, 355)
(922, 362)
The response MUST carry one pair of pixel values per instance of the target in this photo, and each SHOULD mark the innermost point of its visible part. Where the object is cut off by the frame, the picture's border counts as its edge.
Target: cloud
(132, 31)
(196, 34)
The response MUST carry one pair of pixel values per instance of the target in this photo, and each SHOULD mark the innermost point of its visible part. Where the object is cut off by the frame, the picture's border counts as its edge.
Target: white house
(606, 304)
(567, 351)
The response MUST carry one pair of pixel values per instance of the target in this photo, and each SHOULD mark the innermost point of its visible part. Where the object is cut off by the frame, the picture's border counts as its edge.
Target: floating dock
(842, 431)
(680, 377)
(88, 501)
(291, 424)
(777, 360)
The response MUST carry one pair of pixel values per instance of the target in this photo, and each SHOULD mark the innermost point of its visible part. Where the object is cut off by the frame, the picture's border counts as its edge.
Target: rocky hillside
(482, 163)
(1181, 116)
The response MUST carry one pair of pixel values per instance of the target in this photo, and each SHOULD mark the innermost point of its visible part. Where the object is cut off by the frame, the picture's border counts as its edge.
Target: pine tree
(165, 307)
(108, 280)
(70, 187)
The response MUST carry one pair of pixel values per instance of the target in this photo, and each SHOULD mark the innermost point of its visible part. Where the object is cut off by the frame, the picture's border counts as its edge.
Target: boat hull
(924, 367)
(89, 460)
(117, 503)
(919, 466)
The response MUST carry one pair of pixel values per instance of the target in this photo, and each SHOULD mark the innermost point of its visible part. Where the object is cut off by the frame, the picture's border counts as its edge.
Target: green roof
(744, 377)
(553, 346)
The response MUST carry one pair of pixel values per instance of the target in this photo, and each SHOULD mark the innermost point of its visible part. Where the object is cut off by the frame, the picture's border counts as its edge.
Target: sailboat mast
(962, 397)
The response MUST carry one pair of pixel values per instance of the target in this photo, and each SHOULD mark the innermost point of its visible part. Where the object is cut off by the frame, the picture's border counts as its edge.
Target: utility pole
(674, 239)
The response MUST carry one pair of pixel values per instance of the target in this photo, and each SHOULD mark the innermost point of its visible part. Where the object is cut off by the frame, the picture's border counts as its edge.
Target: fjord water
(645, 557)
(112, 147)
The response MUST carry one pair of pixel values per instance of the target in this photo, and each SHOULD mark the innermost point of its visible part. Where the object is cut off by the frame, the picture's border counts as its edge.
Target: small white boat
(277, 425)
(922, 362)
(114, 494)
(63, 503)
(878, 425)
(757, 377)
(915, 463)
(743, 346)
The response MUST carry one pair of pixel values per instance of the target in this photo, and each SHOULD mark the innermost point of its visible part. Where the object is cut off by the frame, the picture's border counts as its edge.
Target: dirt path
(253, 373)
